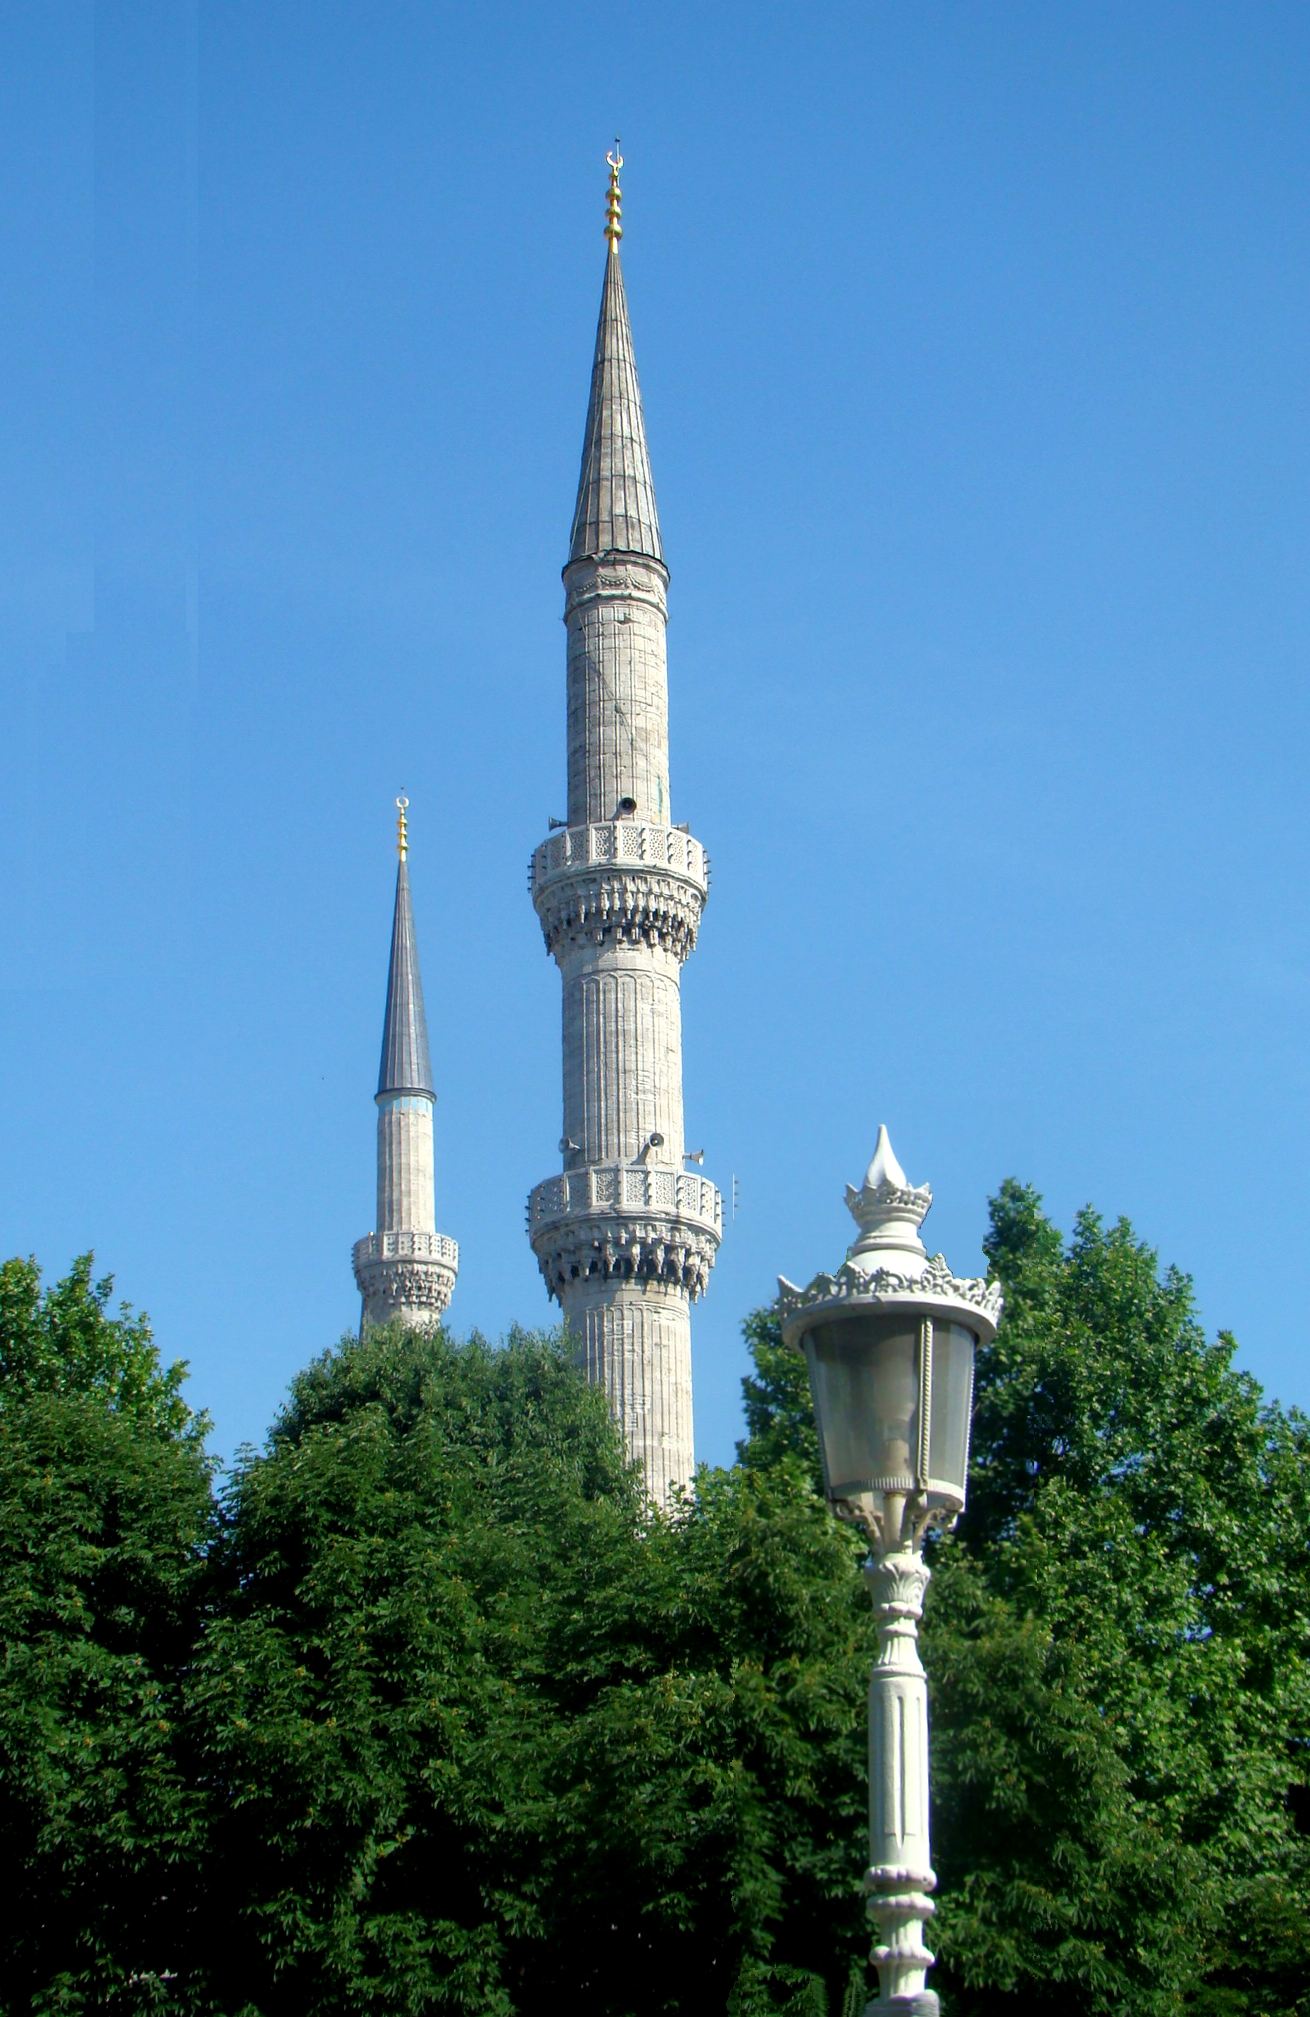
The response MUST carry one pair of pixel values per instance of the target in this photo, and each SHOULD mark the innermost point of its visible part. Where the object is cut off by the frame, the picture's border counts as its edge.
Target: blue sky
(972, 340)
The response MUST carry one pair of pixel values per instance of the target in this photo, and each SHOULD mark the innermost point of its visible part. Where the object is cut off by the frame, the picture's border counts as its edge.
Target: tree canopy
(1116, 1640)
(479, 1729)
(62, 1340)
(429, 1713)
(104, 1517)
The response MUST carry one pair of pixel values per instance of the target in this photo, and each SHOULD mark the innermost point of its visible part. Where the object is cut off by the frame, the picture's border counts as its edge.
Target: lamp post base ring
(923, 2003)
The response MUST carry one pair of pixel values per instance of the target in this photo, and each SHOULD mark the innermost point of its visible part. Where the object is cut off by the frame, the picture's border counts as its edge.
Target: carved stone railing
(626, 1187)
(621, 878)
(620, 841)
(405, 1272)
(407, 1246)
(625, 1222)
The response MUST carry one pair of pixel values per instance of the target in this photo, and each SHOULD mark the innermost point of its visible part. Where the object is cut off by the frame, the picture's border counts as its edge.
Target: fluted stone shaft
(622, 1053)
(634, 1340)
(618, 691)
(625, 1237)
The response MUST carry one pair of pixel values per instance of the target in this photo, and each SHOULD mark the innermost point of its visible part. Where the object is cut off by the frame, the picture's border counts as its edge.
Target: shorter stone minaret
(406, 1269)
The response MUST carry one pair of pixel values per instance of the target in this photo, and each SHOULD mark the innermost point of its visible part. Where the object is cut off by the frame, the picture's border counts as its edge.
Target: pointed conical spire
(406, 1066)
(884, 1169)
(615, 511)
(406, 1269)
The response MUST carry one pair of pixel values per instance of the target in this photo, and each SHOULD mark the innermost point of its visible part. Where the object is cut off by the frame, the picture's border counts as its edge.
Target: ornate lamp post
(890, 1342)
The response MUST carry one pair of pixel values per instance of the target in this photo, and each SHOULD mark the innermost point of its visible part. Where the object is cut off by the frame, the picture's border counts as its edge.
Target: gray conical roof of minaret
(406, 1066)
(615, 512)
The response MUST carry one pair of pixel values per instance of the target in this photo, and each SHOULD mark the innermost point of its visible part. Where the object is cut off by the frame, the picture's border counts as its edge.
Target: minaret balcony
(622, 879)
(626, 1221)
(409, 1275)
(574, 848)
(626, 1187)
(405, 1246)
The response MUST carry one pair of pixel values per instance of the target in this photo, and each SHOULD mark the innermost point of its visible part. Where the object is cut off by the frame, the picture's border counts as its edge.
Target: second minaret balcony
(621, 878)
(626, 1221)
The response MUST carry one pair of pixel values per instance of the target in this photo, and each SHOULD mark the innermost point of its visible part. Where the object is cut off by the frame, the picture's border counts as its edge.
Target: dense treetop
(62, 1341)
(427, 1712)
(105, 1520)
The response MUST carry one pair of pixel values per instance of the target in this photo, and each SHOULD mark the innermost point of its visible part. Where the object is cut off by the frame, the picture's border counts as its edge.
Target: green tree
(104, 1513)
(1116, 1640)
(776, 1403)
(444, 1719)
(63, 1340)
(480, 1731)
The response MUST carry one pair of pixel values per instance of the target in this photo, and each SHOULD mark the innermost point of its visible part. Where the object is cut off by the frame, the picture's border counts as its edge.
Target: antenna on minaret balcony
(614, 199)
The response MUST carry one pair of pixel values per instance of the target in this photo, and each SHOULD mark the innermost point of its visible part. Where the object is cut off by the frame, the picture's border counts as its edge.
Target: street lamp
(889, 1340)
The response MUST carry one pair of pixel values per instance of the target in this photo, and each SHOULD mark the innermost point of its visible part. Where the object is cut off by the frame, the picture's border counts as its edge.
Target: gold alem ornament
(614, 200)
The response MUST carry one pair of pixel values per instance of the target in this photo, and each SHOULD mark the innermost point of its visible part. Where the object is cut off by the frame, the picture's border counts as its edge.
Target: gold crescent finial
(614, 200)
(402, 826)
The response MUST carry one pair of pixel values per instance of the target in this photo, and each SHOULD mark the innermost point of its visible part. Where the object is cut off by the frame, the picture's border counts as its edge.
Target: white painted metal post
(890, 1341)
(900, 1876)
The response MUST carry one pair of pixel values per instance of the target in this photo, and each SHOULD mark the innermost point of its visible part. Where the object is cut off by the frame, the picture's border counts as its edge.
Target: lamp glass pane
(864, 1375)
(952, 1393)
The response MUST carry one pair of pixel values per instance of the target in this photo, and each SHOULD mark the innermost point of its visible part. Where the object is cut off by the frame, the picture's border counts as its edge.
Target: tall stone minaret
(406, 1269)
(626, 1236)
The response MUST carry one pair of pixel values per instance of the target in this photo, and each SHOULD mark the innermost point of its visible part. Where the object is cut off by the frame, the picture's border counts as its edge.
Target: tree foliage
(776, 1404)
(104, 1512)
(433, 1715)
(62, 1340)
(1116, 1640)
(480, 1731)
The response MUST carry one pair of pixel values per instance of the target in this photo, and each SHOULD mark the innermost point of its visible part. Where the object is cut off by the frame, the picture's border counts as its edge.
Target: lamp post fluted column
(900, 1879)
(890, 1340)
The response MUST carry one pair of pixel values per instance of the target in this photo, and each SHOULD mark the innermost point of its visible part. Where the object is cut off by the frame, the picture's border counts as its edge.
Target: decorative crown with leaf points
(886, 1191)
(888, 1264)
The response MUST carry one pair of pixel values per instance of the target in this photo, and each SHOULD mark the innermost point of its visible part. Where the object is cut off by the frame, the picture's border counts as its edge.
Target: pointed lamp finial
(402, 826)
(885, 1168)
(614, 199)
(888, 1209)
